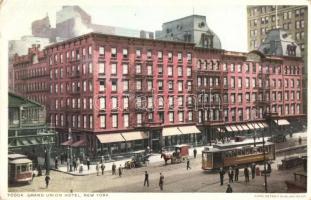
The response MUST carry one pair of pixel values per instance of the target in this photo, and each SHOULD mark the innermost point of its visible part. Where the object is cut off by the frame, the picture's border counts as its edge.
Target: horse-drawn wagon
(180, 153)
(139, 159)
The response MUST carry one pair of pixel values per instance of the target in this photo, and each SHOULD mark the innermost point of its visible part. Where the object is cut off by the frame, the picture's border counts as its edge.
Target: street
(177, 179)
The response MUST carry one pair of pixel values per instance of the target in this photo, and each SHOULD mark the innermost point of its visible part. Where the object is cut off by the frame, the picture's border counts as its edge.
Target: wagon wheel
(132, 165)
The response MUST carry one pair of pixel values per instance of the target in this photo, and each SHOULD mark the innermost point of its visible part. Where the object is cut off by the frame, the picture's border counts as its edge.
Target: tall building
(108, 94)
(293, 19)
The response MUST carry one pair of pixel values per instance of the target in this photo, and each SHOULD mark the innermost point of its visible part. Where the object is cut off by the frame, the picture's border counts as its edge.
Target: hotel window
(189, 57)
(150, 102)
(114, 121)
(200, 116)
(160, 85)
(232, 68)
(125, 69)
(273, 96)
(286, 109)
(126, 120)
(160, 69)
(180, 101)
(199, 81)
(84, 121)
(101, 68)
(125, 103)
(240, 98)
(179, 72)
(292, 83)
(190, 116)
(254, 97)
(298, 96)
(72, 54)
(189, 85)
(180, 86)
(114, 101)
(84, 68)
(170, 85)
(114, 68)
(297, 24)
(224, 66)
(149, 70)
(149, 85)
(149, 54)
(286, 83)
(138, 69)
(232, 82)
(160, 55)
(280, 96)
(211, 81)
(240, 82)
(239, 68)
(292, 109)
(139, 119)
(161, 101)
(125, 85)
(232, 98)
(90, 50)
(302, 23)
(247, 82)
(179, 56)
(170, 70)
(103, 121)
(233, 116)
(84, 103)
(90, 103)
(79, 103)
(247, 97)
(180, 116)
(189, 100)
(114, 85)
(113, 52)
(292, 95)
(298, 109)
(189, 71)
(138, 53)
(171, 117)
(286, 96)
(90, 68)
(225, 82)
(102, 103)
(170, 56)
(74, 122)
(101, 50)
(240, 113)
(254, 82)
(138, 84)
(280, 83)
(171, 101)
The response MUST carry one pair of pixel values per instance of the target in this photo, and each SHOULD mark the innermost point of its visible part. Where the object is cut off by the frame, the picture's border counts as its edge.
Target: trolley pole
(264, 159)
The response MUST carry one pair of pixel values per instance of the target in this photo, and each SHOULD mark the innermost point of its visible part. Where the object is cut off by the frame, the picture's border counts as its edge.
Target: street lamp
(69, 150)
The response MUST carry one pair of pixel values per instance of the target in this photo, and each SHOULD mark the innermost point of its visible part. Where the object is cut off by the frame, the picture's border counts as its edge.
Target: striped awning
(240, 127)
(260, 125)
(256, 126)
(265, 124)
(80, 143)
(170, 131)
(134, 135)
(188, 129)
(281, 122)
(250, 126)
(244, 126)
(234, 128)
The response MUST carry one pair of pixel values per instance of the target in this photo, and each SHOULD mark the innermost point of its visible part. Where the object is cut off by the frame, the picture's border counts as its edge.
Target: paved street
(177, 179)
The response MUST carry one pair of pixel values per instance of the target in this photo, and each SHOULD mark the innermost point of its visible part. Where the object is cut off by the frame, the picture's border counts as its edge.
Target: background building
(293, 19)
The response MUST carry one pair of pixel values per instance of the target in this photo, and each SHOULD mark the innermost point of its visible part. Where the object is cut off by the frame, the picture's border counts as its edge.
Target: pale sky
(228, 21)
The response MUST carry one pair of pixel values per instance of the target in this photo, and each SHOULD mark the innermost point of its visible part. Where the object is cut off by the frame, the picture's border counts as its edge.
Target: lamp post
(69, 150)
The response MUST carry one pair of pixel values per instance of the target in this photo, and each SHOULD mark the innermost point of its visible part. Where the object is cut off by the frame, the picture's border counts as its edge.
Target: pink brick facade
(166, 84)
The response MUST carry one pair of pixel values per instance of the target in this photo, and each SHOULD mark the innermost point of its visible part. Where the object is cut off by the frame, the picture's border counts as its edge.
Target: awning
(250, 126)
(265, 124)
(234, 128)
(110, 138)
(80, 143)
(239, 128)
(170, 131)
(221, 130)
(188, 129)
(245, 127)
(281, 122)
(67, 143)
(228, 129)
(256, 126)
(134, 135)
(260, 125)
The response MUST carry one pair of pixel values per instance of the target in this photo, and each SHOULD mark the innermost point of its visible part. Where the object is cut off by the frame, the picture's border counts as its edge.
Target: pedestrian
(194, 152)
(120, 171)
(269, 168)
(102, 166)
(56, 162)
(299, 140)
(253, 169)
(161, 181)
(146, 179)
(114, 169)
(74, 164)
(78, 163)
(97, 168)
(221, 175)
(47, 181)
(246, 174)
(229, 189)
(88, 163)
(230, 175)
(188, 164)
(236, 174)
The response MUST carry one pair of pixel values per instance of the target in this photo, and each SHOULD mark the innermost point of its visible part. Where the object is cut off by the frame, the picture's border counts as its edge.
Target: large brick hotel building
(118, 93)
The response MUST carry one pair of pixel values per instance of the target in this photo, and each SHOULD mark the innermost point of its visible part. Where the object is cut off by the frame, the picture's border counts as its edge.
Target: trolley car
(20, 168)
(238, 153)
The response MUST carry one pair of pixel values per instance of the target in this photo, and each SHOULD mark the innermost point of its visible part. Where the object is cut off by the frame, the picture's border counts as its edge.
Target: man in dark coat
(230, 175)
(194, 152)
(229, 189)
(47, 181)
(161, 181)
(253, 169)
(88, 163)
(236, 174)
(246, 174)
(146, 179)
(188, 164)
(114, 169)
(221, 175)
(56, 162)
(102, 166)
(120, 171)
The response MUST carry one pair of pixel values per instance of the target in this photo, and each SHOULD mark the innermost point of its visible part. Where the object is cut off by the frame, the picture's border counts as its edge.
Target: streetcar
(20, 168)
(237, 154)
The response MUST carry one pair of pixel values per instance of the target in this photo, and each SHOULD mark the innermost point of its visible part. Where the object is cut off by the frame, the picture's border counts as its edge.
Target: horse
(167, 156)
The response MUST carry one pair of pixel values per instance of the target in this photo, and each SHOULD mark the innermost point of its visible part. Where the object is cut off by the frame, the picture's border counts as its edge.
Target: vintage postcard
(150, 99)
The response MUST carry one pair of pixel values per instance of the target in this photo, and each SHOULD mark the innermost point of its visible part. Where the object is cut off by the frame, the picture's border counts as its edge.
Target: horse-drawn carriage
(139, 159)
(180, 153)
